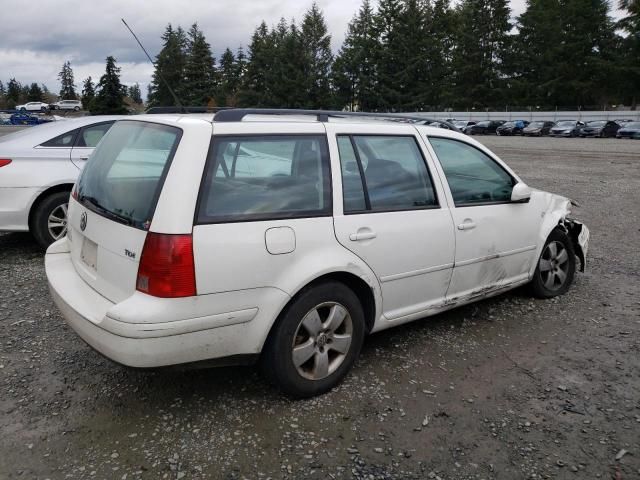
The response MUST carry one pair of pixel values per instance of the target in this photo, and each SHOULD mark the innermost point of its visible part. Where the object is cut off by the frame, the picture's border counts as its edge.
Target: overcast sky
(38, 36)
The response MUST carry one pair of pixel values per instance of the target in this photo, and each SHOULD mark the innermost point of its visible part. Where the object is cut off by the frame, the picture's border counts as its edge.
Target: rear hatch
(114, 201)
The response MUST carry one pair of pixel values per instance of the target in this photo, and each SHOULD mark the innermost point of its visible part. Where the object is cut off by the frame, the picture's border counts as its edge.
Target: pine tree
(199, 70)
(585, 57)
(35, 93)
(441, 39)
(135, 93)
(169, 67)
(629, 46)
(254, 91)
(229, 76)
(537, 52)
(14, 90)
(67, 86)
(354, 69)
(478, 59)
(389, 56)
(316, 46)
(109, 98)
(3, 96)
(88, 92)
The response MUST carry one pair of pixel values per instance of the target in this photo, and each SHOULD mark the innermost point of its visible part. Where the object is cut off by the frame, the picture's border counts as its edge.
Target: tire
(554, 272)
(296, 327)
(55, 206)
(76, 109)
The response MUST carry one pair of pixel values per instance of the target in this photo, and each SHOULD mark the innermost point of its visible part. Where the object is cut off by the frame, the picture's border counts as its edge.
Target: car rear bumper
(14, 208)
(124, 333)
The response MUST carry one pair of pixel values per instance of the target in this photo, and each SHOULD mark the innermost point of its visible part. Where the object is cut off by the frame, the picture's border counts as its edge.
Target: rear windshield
(124, 177)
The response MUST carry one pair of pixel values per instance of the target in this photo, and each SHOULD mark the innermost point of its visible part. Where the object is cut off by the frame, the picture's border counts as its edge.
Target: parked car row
(75, 105)
(623, 128)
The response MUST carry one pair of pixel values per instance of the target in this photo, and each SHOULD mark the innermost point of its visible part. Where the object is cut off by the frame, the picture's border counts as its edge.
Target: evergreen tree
(629, 46)
(109, 97)
(229, 80)
(585, 55)
(389, 55)
(354, 69)
(88, 92)
(254, 91)
(537, 53)
(35, 93)
(14, 90)
(478, 59)
(316, 47)
(441, 39)
(169, 65)
(67, 85)
(135, 93)
(3, 96)
(199, 70)
(285, 80)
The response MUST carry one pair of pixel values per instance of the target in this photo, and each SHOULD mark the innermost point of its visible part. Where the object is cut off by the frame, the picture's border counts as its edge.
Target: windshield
(536, 124)
(566, 123)
(509, 124)
(632, 125)
(460, 123)
(124, 177)
(596, 123)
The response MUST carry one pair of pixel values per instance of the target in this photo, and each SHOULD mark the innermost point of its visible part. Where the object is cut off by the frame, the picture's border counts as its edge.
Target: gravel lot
(508, 388)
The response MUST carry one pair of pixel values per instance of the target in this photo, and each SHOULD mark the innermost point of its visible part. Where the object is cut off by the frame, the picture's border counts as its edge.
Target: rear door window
(265, 177)
(126, 172)
(90, 136)
(384, 173)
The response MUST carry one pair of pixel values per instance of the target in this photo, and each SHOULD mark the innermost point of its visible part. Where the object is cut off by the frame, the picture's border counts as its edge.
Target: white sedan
(38, 167)
(33, 107)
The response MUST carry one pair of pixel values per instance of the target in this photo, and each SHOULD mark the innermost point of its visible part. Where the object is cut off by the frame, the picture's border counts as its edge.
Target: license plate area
(89, 254)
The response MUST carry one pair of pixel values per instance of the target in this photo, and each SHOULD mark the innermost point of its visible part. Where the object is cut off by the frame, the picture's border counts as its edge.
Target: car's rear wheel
(315, 341)
(49, 221)
(556, 266)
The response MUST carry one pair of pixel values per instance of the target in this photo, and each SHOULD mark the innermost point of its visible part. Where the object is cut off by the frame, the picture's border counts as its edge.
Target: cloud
(39, 36)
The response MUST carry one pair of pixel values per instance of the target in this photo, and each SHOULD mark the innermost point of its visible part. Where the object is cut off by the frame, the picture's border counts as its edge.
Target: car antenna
(166, 84)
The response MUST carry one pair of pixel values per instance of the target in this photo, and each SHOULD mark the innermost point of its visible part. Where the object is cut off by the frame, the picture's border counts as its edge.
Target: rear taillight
(166, 267)
(4, 161)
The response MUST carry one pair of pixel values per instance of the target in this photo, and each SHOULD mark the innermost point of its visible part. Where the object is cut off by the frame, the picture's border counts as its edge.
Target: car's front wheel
(316, 340)
(556, 266)
(49, 220)
(76, 109)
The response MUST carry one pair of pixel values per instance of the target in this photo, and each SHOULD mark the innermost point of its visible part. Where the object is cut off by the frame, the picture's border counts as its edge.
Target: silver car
(75, 105)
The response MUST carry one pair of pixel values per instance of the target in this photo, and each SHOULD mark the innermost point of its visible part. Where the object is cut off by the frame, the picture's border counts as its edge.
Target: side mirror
(521, 193)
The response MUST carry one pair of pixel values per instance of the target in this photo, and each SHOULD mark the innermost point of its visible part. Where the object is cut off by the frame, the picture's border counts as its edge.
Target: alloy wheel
(322, 340)
(554, 266)
(57, 222)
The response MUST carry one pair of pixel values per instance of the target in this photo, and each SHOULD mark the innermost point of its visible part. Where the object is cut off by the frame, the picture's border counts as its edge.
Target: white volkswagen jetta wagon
(288, 238)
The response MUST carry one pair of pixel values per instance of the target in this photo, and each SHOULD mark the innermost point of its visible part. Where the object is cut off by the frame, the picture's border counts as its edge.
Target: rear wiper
(96, 204)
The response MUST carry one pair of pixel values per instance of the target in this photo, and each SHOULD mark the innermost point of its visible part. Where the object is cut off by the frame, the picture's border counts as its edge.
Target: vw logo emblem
(83, 221)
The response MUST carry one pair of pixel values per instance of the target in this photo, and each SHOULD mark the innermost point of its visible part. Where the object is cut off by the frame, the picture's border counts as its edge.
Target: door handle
(84, 158)
(467, 225)
(362, 234)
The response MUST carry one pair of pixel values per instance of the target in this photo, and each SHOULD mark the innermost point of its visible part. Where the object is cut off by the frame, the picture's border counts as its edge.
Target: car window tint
(266, 177)
(90, 136)
(352, 189)
(64, 140)
(472, 175)
(395, 173)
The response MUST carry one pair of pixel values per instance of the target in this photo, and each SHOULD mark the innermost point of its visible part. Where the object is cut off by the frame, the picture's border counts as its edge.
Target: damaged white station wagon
(287, 236)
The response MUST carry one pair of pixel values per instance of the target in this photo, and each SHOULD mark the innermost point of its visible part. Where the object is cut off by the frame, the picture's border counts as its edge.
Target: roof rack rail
(192, 109)
(237, 114)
